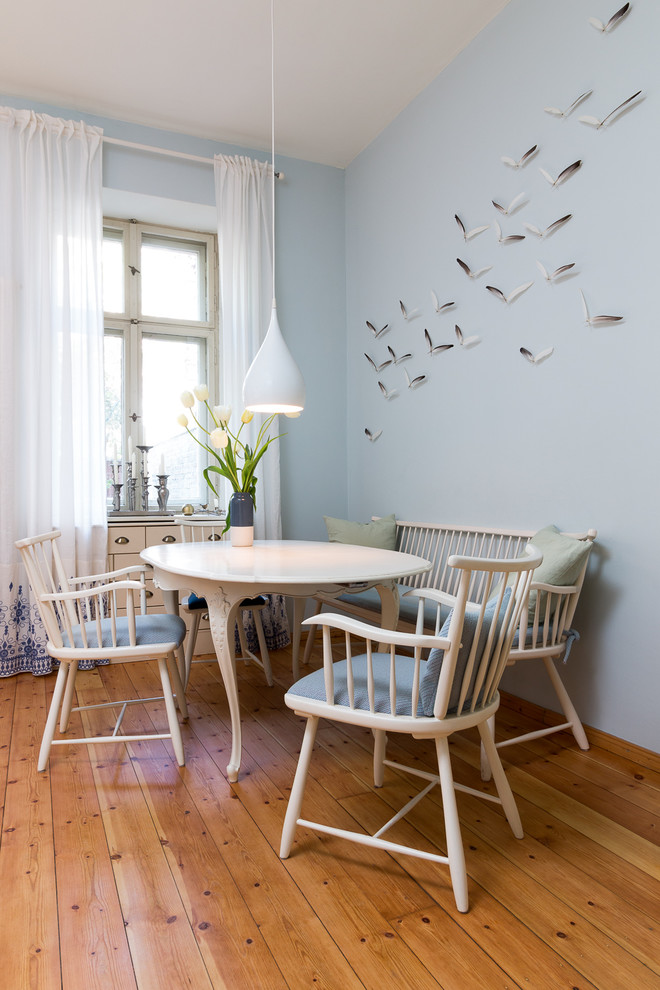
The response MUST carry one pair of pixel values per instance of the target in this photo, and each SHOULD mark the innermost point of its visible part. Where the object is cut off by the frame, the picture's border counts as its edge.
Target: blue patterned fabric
(22, 636)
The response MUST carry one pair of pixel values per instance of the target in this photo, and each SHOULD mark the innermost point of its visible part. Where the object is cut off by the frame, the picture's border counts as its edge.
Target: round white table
(225, 575)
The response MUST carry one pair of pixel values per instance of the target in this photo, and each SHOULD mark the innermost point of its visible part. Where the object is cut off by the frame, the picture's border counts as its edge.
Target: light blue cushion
(377, 533)
(150, 630)
(313, 685)
(370, 599)
(429, 683)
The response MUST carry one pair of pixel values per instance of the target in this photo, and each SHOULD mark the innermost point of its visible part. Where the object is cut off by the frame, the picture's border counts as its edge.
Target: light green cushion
(379, 533)
(563, 559)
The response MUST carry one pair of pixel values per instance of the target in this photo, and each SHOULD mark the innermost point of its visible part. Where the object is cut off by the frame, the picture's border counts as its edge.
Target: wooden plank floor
(120, 870)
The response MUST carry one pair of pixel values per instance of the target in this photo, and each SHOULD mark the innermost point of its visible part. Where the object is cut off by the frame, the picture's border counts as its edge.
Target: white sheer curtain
(52, 442)
(244, 202)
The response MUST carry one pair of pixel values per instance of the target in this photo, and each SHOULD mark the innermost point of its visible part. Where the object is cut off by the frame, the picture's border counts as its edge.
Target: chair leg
(191, 639)
(51, 721)
(179, 690)
(501, 783)
(263, 649)
(455, 852)
(380, 745)
(172, 720)
(67, 703)
(485, 765)
(311, 636)
(298, 788)
(566, 704)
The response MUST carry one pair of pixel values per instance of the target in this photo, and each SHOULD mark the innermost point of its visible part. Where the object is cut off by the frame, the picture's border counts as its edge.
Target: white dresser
(129, 535)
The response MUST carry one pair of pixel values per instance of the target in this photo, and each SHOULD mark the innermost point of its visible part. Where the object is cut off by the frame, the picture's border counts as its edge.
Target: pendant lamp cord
(272, 129)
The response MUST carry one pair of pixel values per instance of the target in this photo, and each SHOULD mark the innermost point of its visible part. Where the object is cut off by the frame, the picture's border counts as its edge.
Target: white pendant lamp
(274, 382)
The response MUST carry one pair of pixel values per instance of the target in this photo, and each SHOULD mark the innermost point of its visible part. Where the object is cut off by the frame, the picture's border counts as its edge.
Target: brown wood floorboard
(120, 869)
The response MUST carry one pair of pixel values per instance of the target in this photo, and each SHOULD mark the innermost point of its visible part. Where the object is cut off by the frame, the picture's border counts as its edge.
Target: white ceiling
(343, 68)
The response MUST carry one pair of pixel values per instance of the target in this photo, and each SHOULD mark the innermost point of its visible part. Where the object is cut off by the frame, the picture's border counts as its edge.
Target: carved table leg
(223, 609)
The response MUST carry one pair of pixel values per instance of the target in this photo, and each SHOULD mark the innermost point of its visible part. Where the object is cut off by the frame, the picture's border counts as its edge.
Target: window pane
(173, 278)
(170, 365)
(113, 271)
(114, 406)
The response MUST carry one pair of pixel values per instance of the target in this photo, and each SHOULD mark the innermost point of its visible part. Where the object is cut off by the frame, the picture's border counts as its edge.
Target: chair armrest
(555, 589)
(97, 591)
(432, 595)
(365, 630)
(136, 568)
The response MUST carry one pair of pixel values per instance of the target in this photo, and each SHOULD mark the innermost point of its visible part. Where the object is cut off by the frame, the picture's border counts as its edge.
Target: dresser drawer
(154, 535)
(126, 539)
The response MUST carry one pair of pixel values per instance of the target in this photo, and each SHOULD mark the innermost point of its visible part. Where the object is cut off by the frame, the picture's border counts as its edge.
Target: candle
(115, 475)
(161, 465)
(134, 463)
(130, 450)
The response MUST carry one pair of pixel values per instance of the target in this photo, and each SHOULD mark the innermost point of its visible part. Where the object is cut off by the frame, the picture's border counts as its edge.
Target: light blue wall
(488, 438)
(310, 289)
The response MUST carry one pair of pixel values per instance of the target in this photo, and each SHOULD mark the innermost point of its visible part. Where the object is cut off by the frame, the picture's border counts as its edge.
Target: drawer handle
(214, 536)
(149, 594)
(169, 539)
(122, 540)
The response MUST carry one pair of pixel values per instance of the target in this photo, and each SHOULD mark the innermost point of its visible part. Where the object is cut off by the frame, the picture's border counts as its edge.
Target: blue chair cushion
(370, 599)
(150, 630)
(193, 602)
(429, 684)
(313, 685)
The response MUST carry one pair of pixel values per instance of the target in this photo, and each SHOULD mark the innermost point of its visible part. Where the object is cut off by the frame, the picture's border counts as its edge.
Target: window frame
(131, 324)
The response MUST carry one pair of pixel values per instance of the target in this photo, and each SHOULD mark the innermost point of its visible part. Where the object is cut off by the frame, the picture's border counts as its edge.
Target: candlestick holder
(145, 476)
(130, 494)
(116, 496)
(163, 491)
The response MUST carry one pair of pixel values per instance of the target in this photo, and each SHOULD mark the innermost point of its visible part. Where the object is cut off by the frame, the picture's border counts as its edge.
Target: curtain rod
(166, 151)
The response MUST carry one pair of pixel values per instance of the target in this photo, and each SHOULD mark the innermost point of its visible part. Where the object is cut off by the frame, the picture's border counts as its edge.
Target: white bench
(545, 631)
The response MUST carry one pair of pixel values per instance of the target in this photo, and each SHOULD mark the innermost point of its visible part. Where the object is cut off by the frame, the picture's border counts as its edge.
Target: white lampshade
(274, 382)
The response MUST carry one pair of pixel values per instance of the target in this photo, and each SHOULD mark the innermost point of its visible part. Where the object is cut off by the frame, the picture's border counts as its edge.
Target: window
(160, 307)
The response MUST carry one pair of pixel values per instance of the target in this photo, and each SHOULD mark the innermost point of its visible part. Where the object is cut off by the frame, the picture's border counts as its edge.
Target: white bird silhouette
(372, 436)
(551, 276)
(400, 358)
(387, 394)
(596, 321)
(563, 175)
(468, 271)
(515, 203)
(439, 348)
(521, 161)
(465, 341)
(541, 356)
(614, 19)
(518, 291)
(414, 382)
(376, 367)
(549, 229)
(469, 234)
(595, 122)
(556, 112)
(408, 315)
(509, 238)
(436, 304)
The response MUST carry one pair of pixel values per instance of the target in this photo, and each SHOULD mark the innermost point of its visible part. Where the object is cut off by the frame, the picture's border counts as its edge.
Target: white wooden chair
(455, 688)
(82, 618)
(198, 530)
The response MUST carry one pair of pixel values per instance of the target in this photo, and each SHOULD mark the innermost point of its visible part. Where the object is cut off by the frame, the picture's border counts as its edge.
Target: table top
(283, 562)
